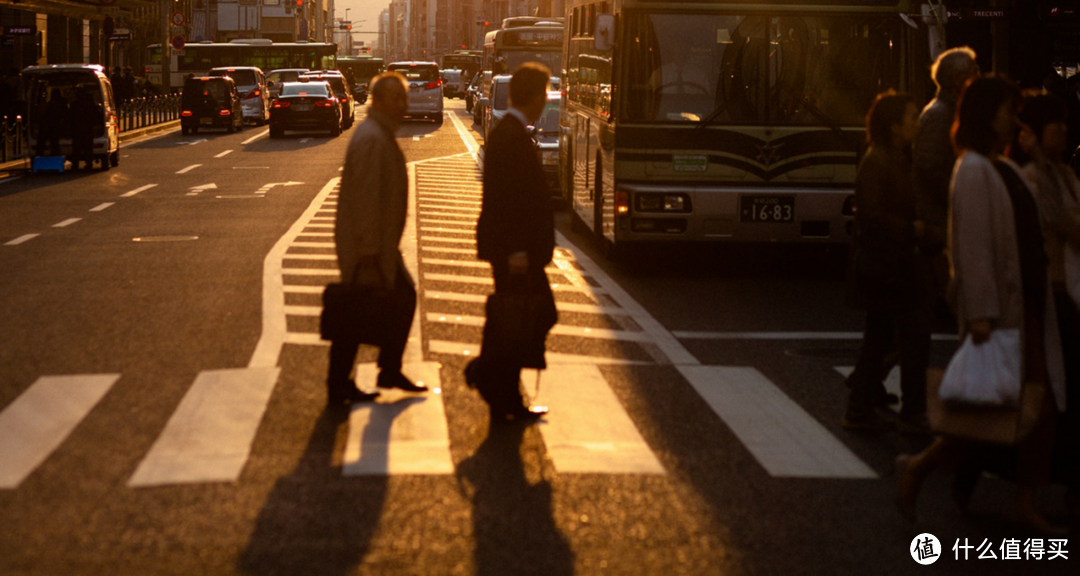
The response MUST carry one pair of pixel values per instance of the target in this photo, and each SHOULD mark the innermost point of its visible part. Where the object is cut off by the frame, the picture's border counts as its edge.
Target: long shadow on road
(316, 521)
(513, 521)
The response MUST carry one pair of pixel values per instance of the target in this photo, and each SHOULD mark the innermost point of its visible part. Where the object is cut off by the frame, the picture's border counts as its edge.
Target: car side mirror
(604, 34)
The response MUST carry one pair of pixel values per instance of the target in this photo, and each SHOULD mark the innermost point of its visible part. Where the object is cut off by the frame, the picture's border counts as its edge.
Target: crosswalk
(209, 435)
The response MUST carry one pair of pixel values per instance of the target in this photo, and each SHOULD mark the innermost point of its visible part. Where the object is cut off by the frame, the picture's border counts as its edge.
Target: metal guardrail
(131, 115)
(148, 111)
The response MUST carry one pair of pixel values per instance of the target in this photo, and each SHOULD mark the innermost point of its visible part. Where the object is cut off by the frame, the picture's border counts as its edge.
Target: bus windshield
(758, 69)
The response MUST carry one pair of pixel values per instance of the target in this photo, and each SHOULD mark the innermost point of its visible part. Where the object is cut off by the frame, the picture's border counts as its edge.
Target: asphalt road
(695, 393)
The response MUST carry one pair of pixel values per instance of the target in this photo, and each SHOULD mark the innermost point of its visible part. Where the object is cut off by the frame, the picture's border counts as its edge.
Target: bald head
(390, 96)
(953, 68)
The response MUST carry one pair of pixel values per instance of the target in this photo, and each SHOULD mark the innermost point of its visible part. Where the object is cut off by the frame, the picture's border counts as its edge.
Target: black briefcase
(355, 313)
(517, 326)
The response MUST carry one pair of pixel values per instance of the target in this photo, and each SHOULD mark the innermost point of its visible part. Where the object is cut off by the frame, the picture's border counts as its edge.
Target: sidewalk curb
(24, 163)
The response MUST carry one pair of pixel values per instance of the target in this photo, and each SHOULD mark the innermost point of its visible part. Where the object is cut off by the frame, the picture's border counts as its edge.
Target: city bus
(726, 120)
(361, 68)
(505, 50)
(200, 57)
(468, 61)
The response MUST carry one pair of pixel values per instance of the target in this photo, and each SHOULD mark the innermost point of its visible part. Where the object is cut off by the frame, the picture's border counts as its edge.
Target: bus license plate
(766, 208)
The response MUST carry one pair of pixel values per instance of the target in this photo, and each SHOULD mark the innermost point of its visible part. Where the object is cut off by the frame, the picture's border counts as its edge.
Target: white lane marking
(781, 436)
(273, 296)
(310, 272)
(400, 433)
(266, 188)
(691, 335)
(305, 338)
(456, 263)
(39, 420)
(223, 154)
(102, 206)
(891, 382)
(488, 281)
(294, 310)
(194, 191)
(188, 169)
(255, 137)
(431, 200)
(209, 436)
(563, 306)
(66, 223)
(464, 226)
(425, 206)
(137, 190)
(291, 256)
(552, 358)
(314, 244)
(466, 137)
(471, 251)
(446, 240)
(558, 329)
(192, 142)
(464, 218)
(589, 431)
(415, 138)
(21, 239)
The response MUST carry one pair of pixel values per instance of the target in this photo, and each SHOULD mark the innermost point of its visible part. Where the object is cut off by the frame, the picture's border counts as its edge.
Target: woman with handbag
(1058, 193)
(882, 278)
(999, 284)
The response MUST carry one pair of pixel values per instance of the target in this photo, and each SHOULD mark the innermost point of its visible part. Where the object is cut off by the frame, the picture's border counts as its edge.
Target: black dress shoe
(472, 373)
(399, 381)
(350, 396)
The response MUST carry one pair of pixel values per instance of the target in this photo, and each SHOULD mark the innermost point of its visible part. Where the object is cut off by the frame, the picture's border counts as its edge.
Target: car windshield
(549, 120)
(757, 69)
(336, 82)
(199, 90)
(241, 77)
(417, 73)
(304, 89)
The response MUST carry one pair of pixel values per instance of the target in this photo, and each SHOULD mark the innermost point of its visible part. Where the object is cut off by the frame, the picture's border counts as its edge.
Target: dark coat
(516, 212)
(883, 247)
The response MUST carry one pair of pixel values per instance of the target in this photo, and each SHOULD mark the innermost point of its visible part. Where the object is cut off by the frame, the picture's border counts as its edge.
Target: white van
(425, 89)
(254, 97)
(40, 84)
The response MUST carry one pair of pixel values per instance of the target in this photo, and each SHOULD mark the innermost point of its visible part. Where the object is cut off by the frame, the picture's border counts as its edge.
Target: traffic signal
(299, 3)
(346, 26)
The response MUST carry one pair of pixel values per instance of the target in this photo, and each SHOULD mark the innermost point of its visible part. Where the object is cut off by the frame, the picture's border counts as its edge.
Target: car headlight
(550, 157)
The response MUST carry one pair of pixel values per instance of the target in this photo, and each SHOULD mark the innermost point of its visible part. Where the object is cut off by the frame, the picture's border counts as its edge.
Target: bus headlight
(659, 202)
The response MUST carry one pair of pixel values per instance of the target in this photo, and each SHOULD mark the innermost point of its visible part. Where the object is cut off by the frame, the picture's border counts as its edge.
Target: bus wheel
(114, 158)
(104, 159)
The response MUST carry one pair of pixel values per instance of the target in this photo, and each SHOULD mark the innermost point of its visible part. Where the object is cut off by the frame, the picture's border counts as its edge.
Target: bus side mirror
(604, 35)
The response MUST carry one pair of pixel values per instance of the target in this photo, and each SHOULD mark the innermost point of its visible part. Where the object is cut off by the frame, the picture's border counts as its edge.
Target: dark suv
(211, 102)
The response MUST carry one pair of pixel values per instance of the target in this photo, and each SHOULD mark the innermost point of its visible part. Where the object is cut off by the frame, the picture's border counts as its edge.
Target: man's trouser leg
(403, 299)
(877, 339)
(342, 357)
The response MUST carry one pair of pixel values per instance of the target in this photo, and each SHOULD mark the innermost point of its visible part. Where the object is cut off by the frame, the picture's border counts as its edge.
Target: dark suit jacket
(516, 212)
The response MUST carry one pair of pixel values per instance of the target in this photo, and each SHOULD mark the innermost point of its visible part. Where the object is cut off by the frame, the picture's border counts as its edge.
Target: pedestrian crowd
(972, 202)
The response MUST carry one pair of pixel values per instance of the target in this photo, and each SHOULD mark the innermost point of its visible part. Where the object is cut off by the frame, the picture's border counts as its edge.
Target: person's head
(390, 96)
(1046, 115)
(892, 120)
(528, 89)
(986, 115)
(953, 68)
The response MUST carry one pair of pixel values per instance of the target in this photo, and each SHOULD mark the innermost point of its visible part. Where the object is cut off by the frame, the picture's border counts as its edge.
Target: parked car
(546, 135)
(342, 92)
(210, 102)
(452, 80)
(425, 89)
(471, 92)
(275, 78)
(37, 84)
(305, 106)
(483, 82)
(254, 96)
(495, 105)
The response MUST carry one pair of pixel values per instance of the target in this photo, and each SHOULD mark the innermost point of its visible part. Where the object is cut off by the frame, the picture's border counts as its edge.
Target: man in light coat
(370, 220)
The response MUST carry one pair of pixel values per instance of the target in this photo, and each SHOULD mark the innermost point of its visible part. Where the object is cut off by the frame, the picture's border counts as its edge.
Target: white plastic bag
(986, 374)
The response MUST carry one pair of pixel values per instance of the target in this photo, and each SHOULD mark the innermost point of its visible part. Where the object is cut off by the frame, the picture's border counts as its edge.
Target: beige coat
(374, 200)
(986, 262)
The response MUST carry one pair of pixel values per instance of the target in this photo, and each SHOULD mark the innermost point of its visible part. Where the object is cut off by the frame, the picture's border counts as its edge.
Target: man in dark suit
(515, 233)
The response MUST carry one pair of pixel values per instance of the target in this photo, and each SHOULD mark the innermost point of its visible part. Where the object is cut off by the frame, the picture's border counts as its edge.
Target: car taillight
(256, 92)
(186, 113)
(225, 112)
(434, 84)
(325, 103)
(280, 104)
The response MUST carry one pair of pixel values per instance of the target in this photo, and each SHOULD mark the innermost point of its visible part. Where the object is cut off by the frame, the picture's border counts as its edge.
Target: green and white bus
(200, 57)
(725, 120)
